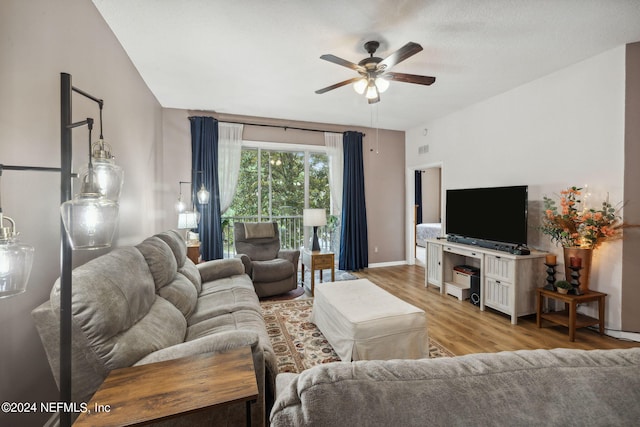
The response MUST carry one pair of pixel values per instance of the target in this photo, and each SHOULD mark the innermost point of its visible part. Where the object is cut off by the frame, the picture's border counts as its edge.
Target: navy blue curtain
(204, 157)
(354, 245)
(418, 196)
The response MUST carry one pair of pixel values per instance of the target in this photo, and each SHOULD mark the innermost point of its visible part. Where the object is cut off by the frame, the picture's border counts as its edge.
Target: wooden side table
(164, 390)
(569, 317)
(193, 252)
(318, 260)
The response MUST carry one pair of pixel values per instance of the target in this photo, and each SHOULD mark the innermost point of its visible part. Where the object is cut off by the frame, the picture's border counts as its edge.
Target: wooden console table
(159, 391)
(569, 317)
(318, 260)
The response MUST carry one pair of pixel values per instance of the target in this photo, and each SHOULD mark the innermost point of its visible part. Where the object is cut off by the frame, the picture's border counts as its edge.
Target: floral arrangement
(576, 227)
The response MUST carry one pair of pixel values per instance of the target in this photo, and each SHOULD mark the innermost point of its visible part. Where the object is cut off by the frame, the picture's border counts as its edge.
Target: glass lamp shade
(188, 219)
(360, 86)
(203, 195)
(382, 84)
(15, 266)
(372, 92)
(109, 177)
(90, 221)
(180, 205)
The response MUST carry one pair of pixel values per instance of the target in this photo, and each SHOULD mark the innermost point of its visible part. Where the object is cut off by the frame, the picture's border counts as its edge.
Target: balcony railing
(291, 233)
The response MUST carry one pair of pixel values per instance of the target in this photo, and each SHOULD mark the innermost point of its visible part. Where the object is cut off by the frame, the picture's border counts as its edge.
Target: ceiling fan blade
(409, 78)
(337, 85)
(343, 62)
(399, 55)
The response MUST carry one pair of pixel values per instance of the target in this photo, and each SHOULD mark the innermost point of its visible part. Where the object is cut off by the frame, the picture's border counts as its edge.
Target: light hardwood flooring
(463, 328)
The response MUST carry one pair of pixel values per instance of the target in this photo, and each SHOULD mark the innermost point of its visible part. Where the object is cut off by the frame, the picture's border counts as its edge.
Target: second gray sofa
(523, 388)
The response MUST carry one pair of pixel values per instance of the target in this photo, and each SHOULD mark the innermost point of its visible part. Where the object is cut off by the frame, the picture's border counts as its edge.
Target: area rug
(299, 344)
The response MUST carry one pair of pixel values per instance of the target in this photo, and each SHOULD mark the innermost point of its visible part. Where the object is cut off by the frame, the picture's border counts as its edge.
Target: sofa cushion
(241, 281)
(177, 244)
(272, 270)
(181, 293)
(192, 273)
(160, 259)
(224, 302)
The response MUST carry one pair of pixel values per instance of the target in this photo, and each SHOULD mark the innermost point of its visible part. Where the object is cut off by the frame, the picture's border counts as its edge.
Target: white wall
(39, 39)
(564, 129)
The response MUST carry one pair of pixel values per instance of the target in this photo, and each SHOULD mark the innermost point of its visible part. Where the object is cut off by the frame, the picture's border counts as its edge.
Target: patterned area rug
(299, 344)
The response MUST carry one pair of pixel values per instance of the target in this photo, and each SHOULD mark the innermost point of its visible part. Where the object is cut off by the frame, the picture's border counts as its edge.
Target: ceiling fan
(374, 72)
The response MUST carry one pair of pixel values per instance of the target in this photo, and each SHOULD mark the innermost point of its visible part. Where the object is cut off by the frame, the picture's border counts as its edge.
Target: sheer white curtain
(229, 152)
(333, 142)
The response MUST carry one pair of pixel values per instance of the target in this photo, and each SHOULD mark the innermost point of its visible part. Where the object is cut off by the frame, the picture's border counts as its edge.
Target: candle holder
(551, 277)
(575, 279)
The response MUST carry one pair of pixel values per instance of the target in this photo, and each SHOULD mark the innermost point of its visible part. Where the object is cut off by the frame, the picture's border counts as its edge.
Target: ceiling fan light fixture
(360, 86)
(372, 91)
(382, 84)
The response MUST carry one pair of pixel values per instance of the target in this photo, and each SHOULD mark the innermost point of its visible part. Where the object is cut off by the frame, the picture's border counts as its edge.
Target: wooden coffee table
(158, 391)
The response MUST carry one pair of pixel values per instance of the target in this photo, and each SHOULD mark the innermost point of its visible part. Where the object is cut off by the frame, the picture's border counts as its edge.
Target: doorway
(425, 210)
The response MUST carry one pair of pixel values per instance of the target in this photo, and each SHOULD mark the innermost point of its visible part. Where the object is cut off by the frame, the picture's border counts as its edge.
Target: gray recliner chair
(273, 270)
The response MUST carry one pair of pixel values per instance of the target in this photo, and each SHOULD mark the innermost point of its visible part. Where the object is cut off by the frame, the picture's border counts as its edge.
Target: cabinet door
(434, 264)
(498, 295)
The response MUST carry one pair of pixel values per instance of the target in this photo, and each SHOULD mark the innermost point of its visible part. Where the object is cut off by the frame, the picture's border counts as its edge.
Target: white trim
(387, 264)
(631, 336)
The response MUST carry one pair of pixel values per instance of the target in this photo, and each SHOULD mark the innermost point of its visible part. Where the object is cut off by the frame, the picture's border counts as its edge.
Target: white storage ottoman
(364, 322)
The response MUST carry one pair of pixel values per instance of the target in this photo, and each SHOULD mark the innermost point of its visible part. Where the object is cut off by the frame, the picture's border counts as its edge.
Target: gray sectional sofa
(149, 303)
(523, 388)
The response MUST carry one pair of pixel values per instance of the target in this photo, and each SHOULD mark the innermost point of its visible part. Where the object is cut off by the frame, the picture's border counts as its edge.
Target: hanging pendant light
(203, 193)
(90, 218)
(15, 259)
(109, 177)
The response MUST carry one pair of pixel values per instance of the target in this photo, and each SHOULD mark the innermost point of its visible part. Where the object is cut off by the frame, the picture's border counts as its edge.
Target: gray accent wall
(39, 39)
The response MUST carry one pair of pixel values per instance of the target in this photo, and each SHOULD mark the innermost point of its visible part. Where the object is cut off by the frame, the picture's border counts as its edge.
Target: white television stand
(507, 281)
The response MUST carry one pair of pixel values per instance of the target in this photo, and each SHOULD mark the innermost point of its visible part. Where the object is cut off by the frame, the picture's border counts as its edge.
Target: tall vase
(585, 255)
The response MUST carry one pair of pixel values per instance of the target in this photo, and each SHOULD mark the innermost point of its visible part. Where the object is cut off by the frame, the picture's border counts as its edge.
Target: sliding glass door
(276, 183)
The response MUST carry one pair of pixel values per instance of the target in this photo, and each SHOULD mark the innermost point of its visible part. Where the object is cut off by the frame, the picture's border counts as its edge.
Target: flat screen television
(496, 214)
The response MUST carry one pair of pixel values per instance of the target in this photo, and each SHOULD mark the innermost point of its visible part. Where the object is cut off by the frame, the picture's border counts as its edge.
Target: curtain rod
(282, 126)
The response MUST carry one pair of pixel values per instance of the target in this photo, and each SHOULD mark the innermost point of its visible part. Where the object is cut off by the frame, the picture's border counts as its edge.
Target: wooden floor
(463, 328)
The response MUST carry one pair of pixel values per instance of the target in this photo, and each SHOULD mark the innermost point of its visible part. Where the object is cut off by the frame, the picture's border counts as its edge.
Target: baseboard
(387, 264)
(630, 336)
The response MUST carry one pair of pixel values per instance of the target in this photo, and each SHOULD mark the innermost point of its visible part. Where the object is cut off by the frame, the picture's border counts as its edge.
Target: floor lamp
(88, 219)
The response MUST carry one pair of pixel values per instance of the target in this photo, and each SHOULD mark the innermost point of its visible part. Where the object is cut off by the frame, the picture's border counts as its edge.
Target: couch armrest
(292, 255)
(219, 269)
(246, 261)
(283, 380)
(216, 343)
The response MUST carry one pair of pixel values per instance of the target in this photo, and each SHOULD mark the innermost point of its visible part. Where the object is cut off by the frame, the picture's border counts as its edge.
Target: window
(276, 182)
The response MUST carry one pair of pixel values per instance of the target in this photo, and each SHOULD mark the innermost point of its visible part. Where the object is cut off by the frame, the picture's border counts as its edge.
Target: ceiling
(261, 58)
